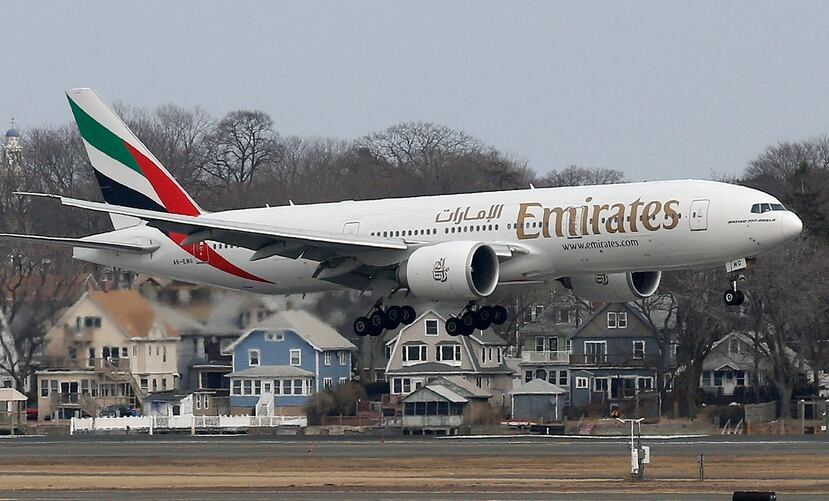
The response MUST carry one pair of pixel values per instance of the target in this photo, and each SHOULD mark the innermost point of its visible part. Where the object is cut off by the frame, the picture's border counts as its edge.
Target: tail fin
(128, 174)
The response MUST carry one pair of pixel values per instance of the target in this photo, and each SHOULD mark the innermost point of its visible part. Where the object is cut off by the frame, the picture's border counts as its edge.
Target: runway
(406, 468)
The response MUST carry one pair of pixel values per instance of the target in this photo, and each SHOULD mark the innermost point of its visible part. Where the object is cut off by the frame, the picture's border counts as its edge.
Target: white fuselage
(567, 231)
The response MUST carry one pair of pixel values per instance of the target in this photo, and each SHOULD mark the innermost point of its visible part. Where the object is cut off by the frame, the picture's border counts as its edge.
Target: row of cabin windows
(433, 231)
(443, 353)
(559, 377)
(716, 378)
(256, 387)
(295, 358)
(546, 226)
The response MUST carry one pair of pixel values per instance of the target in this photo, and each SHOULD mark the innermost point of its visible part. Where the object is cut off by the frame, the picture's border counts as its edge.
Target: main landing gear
(475, 317)
(380, 318)
(734, 296)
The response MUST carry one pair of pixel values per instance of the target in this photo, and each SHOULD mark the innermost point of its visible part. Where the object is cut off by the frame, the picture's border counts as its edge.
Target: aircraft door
(351, 228)
(573, 218)
(699, 215)
(200, 251)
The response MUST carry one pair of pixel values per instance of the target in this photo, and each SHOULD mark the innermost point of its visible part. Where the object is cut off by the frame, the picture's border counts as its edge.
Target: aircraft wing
(265, 240)
(80, 242)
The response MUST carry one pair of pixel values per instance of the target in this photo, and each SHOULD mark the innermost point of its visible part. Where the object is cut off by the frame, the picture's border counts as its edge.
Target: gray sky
(657, 89)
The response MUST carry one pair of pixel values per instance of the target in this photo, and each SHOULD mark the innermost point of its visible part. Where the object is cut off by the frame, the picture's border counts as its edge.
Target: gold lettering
(634, 214)
(651, 209)
(672, 214)
(523, 216)
(616, 222)
(558, 221)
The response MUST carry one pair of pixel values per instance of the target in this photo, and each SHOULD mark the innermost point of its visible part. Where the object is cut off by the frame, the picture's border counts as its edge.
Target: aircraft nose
(790, 225)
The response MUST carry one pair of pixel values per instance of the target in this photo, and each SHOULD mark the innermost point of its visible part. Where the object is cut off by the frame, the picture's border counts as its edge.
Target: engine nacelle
(615, 287)
(451, 271)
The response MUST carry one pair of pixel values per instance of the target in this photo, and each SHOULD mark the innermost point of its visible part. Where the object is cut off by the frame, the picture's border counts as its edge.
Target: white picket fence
(151, 423)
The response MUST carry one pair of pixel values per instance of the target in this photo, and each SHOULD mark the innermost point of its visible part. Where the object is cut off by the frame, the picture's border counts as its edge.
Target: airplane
(606, 243)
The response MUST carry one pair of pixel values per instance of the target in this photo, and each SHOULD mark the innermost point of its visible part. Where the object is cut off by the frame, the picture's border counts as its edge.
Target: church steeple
(12, 149)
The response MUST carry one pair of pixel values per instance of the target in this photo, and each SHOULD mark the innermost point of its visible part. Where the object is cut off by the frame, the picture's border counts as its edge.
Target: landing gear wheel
(499, 315)
(734, 297)
(394, 316)
(361, 326)
(377, 320)
(468, 321)
(483, 317)
(454, 327)
(407, 315)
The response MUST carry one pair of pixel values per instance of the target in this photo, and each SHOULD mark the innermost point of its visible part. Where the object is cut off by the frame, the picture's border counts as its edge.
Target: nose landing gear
(734, 296)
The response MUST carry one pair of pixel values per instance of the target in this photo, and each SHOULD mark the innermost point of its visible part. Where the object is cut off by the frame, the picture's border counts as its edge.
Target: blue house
(284, 359)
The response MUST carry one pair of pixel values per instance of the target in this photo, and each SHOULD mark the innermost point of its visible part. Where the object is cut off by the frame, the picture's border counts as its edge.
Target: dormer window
(617, 319)
(253, 358)
(611, 320)
(431, 327)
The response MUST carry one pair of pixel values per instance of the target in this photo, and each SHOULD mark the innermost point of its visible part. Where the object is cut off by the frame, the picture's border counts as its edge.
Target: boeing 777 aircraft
(608, 243)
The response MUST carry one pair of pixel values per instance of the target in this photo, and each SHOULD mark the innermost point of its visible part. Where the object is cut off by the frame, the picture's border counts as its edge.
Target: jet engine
(614, 287)
(451, 271)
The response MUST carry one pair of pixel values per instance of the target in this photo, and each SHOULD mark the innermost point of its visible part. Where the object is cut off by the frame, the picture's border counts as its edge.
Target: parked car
(31, 413)
(118, 411)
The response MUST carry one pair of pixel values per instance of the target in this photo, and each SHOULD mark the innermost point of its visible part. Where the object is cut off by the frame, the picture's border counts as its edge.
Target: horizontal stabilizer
(86, 244)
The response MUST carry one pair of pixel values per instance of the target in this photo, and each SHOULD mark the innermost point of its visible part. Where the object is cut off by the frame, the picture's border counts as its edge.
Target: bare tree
(575, 175)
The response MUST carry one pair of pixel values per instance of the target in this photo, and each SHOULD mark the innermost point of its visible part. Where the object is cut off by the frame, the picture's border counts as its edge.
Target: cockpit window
(766, 207)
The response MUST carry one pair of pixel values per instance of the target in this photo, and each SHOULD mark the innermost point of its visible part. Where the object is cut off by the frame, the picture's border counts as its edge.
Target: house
(108, 348)
(283, 360)
(545, 351)
(538, 400)
(614, 363)
(441, 405)
(424, 349)
(168, 403)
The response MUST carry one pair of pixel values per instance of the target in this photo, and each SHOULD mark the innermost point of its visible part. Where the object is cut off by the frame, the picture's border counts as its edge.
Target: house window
(257, 387)
(277, 386)
(205, 402)
(163, 383)
(198, 402)
(342, 380)
(85, 386)
(623, 319)
(298, 387)
(552, 344)
(562, 378)
(431, 327)
(407, 385)
(612, 321)
(538, 312)
(341, 357)
(253, 358)
(638, 349)
(44, 387)
(296, 357)
(595, 352)
(327, 382)
(125, 352)
(448, 353)
(274, 337)
(600, 384)
(581, 382)
(247, 386)
(286, 387)
(163, 353)
(414, 353)
(528, 376)
(539, 343)
(327, 358)
(155, 384)
(646, 383)
(563, 316)
(144, 383)
(741, 378)
(499, 354)
(706, 378)
(734, 346)
(396, 386)
(717, 378)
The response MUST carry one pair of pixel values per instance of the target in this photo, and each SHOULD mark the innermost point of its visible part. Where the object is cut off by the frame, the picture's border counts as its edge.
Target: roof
(272, 371)
(538, 387)
(318, 333)
(12, 133)
(487, 336)
(462, 387)
(440, 390)
(133, 312)
(165, 396)
(11, 395)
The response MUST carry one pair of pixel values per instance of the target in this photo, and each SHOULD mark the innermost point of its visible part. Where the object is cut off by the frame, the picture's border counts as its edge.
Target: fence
(151, 423)
(761, 413)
